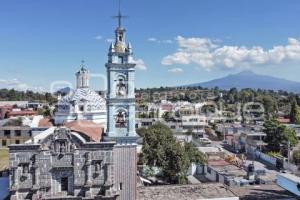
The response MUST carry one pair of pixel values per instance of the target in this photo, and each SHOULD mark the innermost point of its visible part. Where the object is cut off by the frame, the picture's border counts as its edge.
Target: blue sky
(179, 41)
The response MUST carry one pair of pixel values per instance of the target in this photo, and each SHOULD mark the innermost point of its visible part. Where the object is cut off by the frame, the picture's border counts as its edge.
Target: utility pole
(289, 144)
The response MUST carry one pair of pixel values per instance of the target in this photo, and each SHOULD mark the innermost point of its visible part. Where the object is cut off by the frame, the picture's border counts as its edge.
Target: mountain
(249, 79)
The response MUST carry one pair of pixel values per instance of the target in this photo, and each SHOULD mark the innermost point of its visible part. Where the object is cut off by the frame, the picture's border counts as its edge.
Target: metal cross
(119, 16)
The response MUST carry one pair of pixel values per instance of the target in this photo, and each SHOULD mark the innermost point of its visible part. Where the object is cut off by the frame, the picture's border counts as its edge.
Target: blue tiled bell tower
(121, 113)
(121, 95)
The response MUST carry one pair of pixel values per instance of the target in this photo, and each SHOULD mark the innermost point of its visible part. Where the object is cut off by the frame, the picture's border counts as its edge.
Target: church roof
(88, 128)
(45, 123)
(86, 95)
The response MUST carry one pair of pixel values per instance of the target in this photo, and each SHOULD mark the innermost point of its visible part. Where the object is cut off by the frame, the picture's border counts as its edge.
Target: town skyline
(259, 36)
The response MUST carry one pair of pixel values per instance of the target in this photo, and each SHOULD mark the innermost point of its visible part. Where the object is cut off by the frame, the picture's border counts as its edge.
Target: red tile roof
(283, 120)
(21, 113)
(166, 107)
(92, 130)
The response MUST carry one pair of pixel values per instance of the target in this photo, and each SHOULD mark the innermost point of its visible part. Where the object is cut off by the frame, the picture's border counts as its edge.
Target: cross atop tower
(120, 16)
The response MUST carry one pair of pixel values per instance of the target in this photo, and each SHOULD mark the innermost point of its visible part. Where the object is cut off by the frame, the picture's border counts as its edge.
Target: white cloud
(140, 64)
(153, 39)
(207, 53)
(99, 37)
(176, 70)
(110, 40)
(18, 85)
(167, 41)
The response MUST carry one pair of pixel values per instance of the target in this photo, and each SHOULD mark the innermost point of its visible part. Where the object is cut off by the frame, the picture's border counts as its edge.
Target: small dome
(90, 97)
(82, 70)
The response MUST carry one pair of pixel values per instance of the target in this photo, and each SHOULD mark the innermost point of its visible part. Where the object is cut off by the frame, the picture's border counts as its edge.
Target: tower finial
(119, 16)
(82, 63)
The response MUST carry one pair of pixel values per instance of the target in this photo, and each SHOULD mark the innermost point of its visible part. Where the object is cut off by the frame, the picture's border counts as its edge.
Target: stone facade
(62, 165)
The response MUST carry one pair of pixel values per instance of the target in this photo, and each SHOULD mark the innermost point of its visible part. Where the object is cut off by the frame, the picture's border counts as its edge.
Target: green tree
(290, 136)
(160, 149)
(278, 134)
(167, 116)
(296, 157)
(47, 113)
(270, 105)
(295, 112)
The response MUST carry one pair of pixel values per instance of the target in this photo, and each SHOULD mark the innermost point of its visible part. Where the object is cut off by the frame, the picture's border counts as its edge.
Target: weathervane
(119, 16)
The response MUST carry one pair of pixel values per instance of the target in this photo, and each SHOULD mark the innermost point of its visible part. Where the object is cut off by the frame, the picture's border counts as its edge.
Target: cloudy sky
(42, 42)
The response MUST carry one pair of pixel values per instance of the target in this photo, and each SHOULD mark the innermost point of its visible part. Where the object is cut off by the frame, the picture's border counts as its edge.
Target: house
(246, 139)
(14, 134)
(224, 172)
(194, 122)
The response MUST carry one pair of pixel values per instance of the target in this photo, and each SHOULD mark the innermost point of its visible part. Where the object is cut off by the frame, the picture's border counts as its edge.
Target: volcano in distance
(249, 79)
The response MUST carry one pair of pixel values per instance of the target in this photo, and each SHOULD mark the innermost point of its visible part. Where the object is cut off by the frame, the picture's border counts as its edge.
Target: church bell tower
(121, 96)
(121, 113)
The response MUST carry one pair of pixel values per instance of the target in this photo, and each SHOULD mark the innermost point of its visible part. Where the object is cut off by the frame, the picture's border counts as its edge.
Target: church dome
(87, 96)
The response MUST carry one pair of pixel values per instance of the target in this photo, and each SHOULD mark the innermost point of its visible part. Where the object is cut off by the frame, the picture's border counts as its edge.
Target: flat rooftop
(291, 177)
(210, 149)
(226, 168)
(185, 192)
(263, 192)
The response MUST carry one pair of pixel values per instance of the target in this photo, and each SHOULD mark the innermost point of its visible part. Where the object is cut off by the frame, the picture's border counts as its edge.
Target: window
(17, 141)
(98, 166)
(17, 133)
(81, 108)
(7, 133)
(208, 170)
(3, 143)
(120, 59)
(64, 184)
(25, 168)
(121, 119)
(121, 186)
(193, 120)
(30, 133)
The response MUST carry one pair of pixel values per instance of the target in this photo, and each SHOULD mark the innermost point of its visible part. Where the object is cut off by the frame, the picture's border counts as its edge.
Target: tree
(290, 136)
(278, 134)
(167, 116)
(270, 105)
(295, 112)
(296, 156)
(160, 149)
(194, 155)
(47, 113)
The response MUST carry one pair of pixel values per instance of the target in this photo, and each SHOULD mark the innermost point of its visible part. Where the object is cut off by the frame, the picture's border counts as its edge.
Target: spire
(112, 47)
(82, 67)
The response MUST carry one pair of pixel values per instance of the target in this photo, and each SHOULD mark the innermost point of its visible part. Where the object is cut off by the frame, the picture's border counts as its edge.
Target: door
(64, 184)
